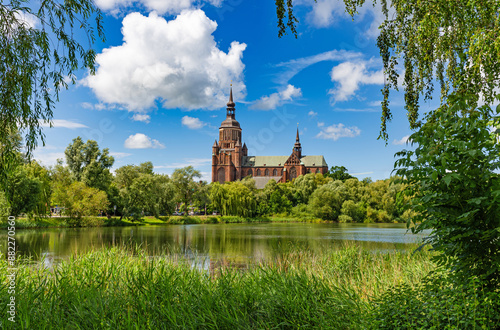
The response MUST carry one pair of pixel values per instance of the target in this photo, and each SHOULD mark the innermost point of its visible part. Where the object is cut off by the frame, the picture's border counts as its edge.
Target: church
(231, 162)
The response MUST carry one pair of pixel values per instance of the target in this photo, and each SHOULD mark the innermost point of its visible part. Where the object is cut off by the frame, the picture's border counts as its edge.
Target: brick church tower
(228, 153)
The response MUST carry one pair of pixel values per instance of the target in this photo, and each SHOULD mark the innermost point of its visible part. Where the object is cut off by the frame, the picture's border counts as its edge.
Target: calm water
(236, 242)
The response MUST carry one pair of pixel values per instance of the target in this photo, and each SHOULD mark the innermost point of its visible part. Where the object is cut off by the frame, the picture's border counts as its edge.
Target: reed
(124, 288)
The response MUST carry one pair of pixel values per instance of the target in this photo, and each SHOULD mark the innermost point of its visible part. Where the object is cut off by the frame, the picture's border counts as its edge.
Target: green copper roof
(313, 161)
(274, 161)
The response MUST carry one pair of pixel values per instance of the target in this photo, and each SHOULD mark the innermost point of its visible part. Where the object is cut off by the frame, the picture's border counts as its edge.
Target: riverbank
(67, 222)
(343, 289)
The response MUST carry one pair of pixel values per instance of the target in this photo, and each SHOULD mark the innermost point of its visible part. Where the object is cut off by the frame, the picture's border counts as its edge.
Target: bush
(437, 303)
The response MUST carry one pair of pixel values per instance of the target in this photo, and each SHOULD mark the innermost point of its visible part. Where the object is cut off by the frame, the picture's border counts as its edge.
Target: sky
(164, 73)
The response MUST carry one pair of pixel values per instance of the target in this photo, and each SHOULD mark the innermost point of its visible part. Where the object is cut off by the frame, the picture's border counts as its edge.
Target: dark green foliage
(454, 188)
(437, 303)
(338, 173)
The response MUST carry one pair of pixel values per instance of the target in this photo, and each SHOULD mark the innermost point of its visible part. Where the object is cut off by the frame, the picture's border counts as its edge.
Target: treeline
(86, 187)
(314, 196)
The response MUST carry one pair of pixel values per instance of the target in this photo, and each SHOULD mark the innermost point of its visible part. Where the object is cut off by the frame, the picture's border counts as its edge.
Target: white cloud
(141, 141)
(176, 61)
(277, 99)
(325, 13)
(160, 6)
(337, 131)
(120, 154)
(321, 124)
(47, 158)
(293, 67)
(349, 76)
(192, 122)
(62, 123)
(401, 141)
(141, 117)
(312, 114)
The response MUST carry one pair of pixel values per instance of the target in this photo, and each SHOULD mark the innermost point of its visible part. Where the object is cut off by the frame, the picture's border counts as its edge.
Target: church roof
(261, 181)
(274, 161)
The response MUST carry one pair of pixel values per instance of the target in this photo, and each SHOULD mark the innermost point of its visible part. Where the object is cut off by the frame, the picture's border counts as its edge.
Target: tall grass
(125, 288)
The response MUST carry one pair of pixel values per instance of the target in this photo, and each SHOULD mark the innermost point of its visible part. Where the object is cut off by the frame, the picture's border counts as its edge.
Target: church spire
(230, 104)
(297, 148)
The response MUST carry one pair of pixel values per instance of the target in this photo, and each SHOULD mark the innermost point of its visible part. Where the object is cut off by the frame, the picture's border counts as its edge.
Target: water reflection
(210, 244)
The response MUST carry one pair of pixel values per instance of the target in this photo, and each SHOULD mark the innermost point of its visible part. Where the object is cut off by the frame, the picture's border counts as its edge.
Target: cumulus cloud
(160, 6)
(141, 141)
(349, 76)
(192, 122)
(312, 114)
(177, 62)
(62, 123)
(337, 131)
(277, 99)
(401, 141)
(141, 117)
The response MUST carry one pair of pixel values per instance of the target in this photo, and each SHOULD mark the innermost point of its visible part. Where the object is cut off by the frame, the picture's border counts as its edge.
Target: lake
(240, 243)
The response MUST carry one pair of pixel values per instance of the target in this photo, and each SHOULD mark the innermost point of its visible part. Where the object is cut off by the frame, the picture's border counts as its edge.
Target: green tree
(185, 184)
(338, 173)
(89, 164)
(326, 201)
(4, 207)
(233, 198)
(23, 191)
(37, 171)
(36, 60)
(453, 42)
(142, 192)
(80, 200)
(454, 188)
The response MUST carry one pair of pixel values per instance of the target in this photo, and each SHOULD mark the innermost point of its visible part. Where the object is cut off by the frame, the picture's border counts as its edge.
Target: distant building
(231, 162)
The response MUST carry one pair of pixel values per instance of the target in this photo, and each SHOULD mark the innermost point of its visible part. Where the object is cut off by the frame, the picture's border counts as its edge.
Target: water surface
(236, 242)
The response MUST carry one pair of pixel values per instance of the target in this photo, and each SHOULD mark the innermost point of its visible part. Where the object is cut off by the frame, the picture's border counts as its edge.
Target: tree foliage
(185, 184)
(454, 188)
(80, 200)
(89, 164)
(39, 50)
(453, 42)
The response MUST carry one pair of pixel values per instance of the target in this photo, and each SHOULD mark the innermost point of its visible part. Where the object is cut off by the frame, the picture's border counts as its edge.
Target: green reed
(124, 288)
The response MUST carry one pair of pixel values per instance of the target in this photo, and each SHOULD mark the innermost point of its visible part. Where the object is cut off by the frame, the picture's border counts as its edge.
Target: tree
(89, 164)
(326, 201)
(338, 173)
(23, 191)
(185, 186)
(141, 191)
(453, 42)
(80, 200)
(454, 188)
(233, 198)
(38, 52)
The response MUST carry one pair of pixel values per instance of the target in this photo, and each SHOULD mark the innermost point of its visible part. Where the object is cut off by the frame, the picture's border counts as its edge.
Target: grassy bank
(48, 222)
(118, 288)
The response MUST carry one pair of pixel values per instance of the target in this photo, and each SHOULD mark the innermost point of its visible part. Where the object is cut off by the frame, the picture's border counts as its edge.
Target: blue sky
(164, 73)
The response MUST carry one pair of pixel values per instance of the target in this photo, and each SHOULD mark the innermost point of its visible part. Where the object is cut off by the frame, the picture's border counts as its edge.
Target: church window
(258, 172)
(275, 172)
(293, 173)
(267, 172)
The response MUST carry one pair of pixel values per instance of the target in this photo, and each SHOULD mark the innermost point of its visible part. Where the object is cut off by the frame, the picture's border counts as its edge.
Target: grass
(125, 288)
